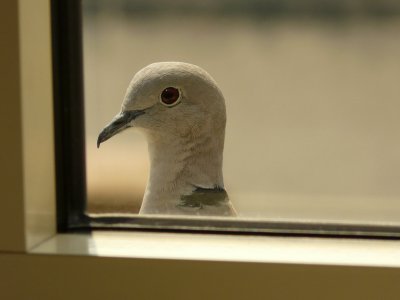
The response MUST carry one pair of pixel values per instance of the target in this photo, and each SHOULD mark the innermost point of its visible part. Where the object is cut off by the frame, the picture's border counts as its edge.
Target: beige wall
(26, 125)
(37, 120)
(11, 176)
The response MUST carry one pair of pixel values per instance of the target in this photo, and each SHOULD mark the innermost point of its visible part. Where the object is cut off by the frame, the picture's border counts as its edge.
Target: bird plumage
(185, 138)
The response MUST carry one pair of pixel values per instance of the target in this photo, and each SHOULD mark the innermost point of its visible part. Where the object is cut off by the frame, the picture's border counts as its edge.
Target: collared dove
(181, 111)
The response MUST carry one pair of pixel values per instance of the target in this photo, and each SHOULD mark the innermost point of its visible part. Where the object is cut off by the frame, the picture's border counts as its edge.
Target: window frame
(66, 23)
(69, 271)
(71, 167)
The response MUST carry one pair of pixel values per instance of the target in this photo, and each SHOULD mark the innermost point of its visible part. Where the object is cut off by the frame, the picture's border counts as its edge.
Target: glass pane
(311, 92)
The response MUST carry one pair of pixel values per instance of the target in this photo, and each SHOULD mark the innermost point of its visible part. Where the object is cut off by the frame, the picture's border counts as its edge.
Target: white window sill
(234, 248)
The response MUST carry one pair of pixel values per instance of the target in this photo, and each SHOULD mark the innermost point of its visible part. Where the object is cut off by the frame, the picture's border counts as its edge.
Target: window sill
(232, 248)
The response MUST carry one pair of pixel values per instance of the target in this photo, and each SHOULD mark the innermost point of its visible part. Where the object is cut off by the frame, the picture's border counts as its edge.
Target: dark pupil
(169, 95)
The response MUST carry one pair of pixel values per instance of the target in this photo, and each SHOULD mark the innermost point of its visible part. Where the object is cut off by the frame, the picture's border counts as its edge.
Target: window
(30, 216)
(311, 93)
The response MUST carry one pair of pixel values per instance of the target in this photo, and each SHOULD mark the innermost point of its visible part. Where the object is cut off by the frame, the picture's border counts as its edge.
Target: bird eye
(170, 96)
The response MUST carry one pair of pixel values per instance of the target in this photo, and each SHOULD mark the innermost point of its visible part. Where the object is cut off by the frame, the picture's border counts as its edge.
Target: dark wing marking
(201, 197)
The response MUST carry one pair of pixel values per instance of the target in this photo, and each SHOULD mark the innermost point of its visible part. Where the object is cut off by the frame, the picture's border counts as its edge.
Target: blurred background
(312, 93)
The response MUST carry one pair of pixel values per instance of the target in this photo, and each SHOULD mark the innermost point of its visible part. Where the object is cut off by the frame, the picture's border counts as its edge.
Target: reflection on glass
(311, 96)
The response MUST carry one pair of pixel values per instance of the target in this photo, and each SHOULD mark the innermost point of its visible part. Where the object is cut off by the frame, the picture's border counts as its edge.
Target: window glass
(312, 99)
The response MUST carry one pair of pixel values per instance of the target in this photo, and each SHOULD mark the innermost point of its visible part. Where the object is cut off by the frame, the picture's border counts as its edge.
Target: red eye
(170, 96)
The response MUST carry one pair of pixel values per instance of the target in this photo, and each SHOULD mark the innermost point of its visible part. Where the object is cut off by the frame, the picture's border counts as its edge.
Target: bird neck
(178, 165)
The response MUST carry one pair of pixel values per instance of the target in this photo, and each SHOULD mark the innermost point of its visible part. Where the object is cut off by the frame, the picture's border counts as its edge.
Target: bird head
(171, 99)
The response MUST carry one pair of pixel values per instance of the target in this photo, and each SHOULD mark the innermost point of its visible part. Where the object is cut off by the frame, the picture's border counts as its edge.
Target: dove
(181, 111)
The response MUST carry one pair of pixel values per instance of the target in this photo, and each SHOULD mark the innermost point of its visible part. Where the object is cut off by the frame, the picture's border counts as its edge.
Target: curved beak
(118, 124)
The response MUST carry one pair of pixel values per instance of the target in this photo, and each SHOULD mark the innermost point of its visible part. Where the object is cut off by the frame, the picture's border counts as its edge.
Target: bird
(181, 111)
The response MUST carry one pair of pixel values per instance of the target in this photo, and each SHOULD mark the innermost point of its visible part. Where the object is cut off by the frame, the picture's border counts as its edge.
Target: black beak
(118, 124)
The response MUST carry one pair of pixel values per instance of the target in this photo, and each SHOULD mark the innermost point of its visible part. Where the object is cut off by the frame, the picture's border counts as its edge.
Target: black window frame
(66, 23)
(71, 165)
